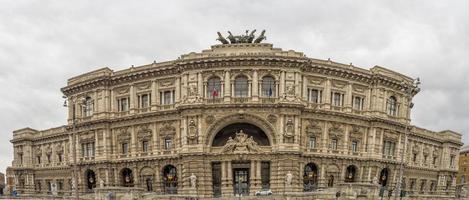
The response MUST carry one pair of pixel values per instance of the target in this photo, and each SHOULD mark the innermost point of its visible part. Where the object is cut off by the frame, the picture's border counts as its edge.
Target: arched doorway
(350, 174)
(127, 177)
(90, 179)
(146, 175)
(170, 179)
(383, 177)
(225, 133)
(310, 177)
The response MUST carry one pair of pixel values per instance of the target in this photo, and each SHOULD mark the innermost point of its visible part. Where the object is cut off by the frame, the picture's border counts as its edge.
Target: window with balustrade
(388, 148)
(392, 106)
(123, 104)
(268, 87)
(87, 149)
(314, 95)
(241, 86)
(144, 100)
(358, 102)
(88, 107)
(337, 99)
(214, 88)
(167, 97)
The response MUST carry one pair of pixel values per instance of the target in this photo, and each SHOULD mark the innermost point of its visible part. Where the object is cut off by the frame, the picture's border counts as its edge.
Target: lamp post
(74, 174)
(408, 90)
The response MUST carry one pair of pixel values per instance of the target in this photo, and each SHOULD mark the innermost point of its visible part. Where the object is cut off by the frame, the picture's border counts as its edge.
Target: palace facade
(238, 118)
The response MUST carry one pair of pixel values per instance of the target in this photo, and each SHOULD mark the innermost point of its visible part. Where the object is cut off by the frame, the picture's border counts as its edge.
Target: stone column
(225, 184)
(327, 94)
(153, 96)
(227, 90)
(282, 83)
(255, 86)
(200, 85)
(132, 98)
(133, 144)
(322, 176)
(349, 98)
(305, 89)
(254, 177)
(177, 96)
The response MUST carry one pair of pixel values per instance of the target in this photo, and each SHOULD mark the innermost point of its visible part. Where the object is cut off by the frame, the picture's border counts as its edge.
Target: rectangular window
(354, 146)
(334, 144)
(145, 146)
(59, 157)
(144, 100)
(451, 161)
(123, 104)
(434, 160)
(312, 142)
(337, 99)
(168, 143)
(388, 148)
(358, 103)
(167, 97)
(87, 149)
(425, 159)
(48, 158)
(38, 159)
(414, 159)
(125, 148)
(314, 95)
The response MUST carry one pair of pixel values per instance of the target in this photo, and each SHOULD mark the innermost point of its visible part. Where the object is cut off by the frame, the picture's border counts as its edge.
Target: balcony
(122, 113)
(143, 110)
(240, 99)
(214, 100)
(166, 107)
(269, 99)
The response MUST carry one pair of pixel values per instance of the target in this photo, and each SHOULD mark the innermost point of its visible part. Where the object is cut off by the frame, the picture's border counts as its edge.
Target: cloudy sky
(42, 43)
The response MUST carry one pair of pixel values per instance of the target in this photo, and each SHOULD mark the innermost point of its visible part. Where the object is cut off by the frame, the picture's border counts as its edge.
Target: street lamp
(75, 176)
(409, 91)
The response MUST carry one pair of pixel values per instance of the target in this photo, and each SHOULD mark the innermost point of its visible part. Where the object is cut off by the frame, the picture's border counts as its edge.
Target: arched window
(127, 177)
(392, 106)
(241, 86)
(214, 87)
(350, 174)
(310, 177)
(170, 179)
(268, 87)
(88, 107)
(90, 179)
(383, 177)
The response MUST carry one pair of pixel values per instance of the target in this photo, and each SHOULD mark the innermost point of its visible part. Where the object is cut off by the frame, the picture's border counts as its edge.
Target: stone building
(463, 173)
(233, 119)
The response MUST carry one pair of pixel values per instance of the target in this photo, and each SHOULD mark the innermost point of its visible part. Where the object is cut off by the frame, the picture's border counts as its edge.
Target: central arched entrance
(241, 138)
(250, 130)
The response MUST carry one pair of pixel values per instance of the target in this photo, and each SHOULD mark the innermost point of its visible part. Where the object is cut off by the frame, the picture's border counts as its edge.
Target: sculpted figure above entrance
(241, 143)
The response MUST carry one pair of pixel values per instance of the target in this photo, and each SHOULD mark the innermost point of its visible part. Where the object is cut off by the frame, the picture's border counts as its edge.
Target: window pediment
(123, 134)
(144, 132)
(167, 129)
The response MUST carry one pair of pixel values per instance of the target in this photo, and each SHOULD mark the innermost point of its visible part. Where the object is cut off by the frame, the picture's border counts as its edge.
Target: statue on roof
(222, 39)
(241, 39)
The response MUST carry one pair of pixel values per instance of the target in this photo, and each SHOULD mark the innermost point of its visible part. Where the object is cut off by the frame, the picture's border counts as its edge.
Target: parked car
(264, 192)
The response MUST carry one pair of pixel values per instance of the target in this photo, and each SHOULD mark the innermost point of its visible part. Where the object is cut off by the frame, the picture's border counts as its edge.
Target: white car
(264, 192)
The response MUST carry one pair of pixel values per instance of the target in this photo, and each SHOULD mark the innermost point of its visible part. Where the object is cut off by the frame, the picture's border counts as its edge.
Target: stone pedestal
(118, 193)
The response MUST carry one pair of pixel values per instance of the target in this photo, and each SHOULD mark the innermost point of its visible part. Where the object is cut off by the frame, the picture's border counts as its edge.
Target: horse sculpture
(245, 38)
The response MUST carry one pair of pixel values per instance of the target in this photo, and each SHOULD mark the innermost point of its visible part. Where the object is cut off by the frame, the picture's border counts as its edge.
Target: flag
(270, 91)
(214, 92)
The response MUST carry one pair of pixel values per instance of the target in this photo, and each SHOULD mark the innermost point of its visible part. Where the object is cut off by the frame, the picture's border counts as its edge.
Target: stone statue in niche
(288, 179)
(193, 179)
